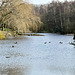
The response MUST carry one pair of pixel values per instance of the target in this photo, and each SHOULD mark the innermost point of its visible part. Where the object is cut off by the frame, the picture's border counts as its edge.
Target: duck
(12, 46)
(61, 42)
(49, 42)
(15, 42)
(45, 42)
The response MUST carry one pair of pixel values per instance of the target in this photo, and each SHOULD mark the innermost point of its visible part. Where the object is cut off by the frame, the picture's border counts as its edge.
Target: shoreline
(70, 34)
(8, 34)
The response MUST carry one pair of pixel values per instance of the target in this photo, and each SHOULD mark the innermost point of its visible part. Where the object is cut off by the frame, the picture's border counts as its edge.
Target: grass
(6, 29)
(1, 35)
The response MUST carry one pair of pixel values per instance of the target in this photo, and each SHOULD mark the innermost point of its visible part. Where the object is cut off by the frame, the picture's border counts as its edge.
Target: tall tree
(19, 16)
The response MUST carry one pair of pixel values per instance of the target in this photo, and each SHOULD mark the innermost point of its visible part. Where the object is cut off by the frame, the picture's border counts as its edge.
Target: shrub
(1, 36)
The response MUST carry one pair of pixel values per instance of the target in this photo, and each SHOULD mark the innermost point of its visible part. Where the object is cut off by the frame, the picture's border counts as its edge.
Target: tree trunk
(74, 36)
(54, 13)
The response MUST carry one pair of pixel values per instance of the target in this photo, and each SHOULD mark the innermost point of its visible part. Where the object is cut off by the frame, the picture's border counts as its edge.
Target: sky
(44, 1)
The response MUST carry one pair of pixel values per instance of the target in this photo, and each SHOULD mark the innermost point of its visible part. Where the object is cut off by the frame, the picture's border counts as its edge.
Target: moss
(2, 36)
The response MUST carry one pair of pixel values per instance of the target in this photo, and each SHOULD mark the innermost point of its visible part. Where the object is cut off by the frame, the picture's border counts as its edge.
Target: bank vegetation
(57, 17)
(18, 16)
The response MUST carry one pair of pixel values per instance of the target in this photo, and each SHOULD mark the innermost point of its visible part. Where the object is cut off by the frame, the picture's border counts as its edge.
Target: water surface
(37, 55)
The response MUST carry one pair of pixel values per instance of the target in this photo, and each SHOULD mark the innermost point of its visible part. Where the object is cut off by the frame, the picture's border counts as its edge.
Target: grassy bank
(2, 36)
(7, 34)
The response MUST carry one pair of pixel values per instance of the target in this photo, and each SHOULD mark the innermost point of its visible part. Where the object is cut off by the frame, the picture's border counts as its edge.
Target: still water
(37, 55)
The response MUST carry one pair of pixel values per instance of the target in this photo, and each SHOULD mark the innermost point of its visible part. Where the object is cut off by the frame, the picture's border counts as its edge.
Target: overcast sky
(44, 1)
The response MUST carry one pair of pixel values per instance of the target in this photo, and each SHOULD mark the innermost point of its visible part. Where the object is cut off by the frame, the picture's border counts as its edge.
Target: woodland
(54, 17)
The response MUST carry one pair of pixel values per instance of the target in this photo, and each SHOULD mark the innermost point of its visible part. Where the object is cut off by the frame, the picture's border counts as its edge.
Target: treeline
(19, 16)
(23, 17)
(57, 16)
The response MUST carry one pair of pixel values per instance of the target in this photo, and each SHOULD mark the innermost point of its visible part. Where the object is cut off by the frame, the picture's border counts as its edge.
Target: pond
(37, 55)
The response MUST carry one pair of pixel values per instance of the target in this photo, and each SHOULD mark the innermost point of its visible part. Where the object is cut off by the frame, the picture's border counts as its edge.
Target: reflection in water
(14, 70)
